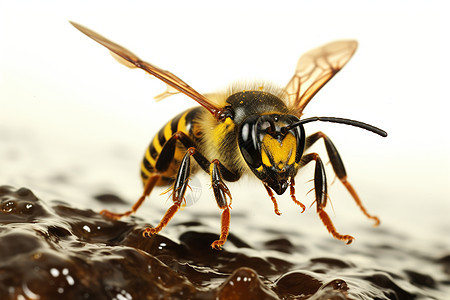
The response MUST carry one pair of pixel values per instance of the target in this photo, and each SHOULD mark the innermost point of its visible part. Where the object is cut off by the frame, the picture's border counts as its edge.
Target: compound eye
(299, 133)
(248, 142)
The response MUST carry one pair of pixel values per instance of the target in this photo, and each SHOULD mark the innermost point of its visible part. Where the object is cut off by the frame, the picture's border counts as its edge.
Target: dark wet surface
(52, 250)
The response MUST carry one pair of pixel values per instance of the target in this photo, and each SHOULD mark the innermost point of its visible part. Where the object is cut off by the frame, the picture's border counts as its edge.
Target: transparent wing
(129, 59)
(314, 69)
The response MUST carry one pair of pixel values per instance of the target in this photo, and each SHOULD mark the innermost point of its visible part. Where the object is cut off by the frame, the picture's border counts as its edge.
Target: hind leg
(149, 185)
(165, 158)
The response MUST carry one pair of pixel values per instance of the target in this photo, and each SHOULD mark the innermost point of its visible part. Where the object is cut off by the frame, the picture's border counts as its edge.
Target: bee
(252, 129)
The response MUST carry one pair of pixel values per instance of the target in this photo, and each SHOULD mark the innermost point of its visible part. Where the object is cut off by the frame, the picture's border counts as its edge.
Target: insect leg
(179, 189)
(162, 164)
(150, 184)
(217, 171)
(203, 162)
(339, 169)
(219, 188)
(221, 192)
(321, 193)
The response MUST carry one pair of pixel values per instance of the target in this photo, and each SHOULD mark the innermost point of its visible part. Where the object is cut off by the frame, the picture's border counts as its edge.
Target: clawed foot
(302, 206)
(377, 221)
(149, 232)
(348, 238)
(217, 245)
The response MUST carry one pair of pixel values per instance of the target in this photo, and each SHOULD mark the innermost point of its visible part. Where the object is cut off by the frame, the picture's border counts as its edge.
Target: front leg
(321, 193)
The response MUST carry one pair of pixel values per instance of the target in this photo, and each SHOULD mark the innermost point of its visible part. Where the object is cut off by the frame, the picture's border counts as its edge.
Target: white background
(66, 103)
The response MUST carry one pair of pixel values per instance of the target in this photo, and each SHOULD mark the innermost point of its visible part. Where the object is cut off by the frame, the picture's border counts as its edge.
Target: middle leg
(221, 192)
(339, 169)
(321, 193)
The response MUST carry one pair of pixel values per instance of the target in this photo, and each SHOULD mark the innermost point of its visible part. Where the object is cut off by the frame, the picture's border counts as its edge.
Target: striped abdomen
(187, 122)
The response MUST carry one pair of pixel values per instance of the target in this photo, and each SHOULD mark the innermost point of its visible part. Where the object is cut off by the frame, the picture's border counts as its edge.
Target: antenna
(337, 120)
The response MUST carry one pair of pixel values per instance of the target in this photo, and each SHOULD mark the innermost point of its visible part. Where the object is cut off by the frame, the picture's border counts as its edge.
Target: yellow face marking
(282, 154)
(292, 158)
(265, 158)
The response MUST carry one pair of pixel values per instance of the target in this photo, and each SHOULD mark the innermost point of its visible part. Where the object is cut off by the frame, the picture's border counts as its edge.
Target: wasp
(248, 129)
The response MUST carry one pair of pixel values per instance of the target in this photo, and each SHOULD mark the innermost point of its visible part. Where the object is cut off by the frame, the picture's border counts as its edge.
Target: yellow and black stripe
(186, 122)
